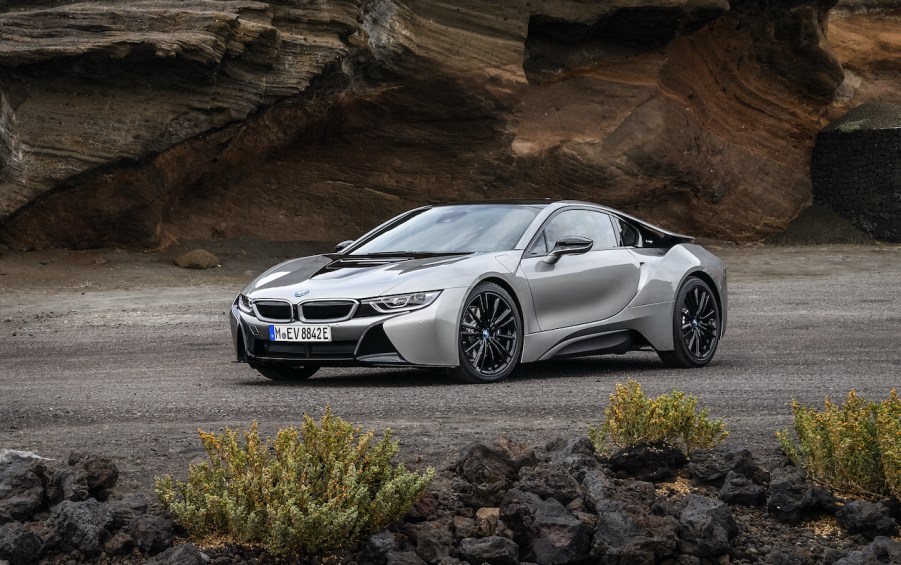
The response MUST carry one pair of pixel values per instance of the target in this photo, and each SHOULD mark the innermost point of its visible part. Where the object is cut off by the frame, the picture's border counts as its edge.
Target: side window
(628, 235)
(596, 226)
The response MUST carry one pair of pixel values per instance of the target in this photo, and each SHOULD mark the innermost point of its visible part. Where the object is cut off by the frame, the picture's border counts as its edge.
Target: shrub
(314, 489)
(673, 418)
(853, 448)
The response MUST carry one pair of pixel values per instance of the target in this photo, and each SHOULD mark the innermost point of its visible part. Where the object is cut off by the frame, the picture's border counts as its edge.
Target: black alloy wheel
(295, 373)
(696, 326)
(490, 335)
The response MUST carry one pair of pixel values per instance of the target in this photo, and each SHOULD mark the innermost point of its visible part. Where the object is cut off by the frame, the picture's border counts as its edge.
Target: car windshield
(455, 229)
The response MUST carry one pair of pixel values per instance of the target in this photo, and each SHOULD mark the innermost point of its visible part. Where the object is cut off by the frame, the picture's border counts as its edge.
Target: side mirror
(343, 245)
(568, 245)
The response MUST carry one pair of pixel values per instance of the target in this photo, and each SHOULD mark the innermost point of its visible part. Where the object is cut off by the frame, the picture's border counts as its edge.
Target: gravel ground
(124, 354)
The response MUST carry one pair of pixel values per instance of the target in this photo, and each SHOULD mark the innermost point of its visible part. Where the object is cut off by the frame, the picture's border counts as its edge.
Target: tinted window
(449, 229)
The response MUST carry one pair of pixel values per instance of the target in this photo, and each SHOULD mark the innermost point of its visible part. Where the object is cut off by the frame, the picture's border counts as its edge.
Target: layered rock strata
(139, 123)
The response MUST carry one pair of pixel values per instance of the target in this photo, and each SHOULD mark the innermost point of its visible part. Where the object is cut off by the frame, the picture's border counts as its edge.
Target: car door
(580, 288)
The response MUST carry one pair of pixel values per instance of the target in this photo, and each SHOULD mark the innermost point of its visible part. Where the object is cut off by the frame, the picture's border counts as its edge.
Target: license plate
(300, 333)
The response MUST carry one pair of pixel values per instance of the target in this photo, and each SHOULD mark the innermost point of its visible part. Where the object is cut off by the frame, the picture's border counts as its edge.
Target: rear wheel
(489, 335)
(296, 373)
(696, 326)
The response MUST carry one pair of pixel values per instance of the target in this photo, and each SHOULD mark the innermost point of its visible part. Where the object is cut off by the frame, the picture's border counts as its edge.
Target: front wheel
(296, 373)
(696, 326)
(489, 335)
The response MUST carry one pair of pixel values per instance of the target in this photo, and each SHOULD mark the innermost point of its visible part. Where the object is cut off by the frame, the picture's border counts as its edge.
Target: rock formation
(137, 123)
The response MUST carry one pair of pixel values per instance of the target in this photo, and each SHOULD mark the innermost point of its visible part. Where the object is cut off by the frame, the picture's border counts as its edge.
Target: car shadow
(613, 366)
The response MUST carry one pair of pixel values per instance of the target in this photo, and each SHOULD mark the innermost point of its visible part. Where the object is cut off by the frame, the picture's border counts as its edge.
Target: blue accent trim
(271, 333)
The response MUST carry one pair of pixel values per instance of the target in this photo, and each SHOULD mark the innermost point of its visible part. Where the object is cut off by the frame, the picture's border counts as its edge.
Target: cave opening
(554, 45)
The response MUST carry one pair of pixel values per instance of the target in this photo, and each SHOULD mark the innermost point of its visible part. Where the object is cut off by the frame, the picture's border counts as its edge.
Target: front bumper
(424, 338)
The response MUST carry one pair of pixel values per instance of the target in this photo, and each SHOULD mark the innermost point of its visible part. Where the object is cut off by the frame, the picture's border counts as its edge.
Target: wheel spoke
(501, 349)
(702, 303)
(504, 319)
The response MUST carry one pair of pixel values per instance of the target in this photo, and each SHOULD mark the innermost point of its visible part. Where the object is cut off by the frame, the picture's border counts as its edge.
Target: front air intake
(327, 310)
(273, 310)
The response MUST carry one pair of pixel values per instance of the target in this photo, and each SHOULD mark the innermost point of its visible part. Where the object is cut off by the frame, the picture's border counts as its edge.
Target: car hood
(337, 276)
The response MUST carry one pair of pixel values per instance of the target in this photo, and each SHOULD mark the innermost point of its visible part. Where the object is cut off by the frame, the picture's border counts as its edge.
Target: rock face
(136, 123)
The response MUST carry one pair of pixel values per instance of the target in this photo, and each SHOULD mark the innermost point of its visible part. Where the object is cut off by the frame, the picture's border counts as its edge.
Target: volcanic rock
(712, 466)
(491, 469)
(433, 540)
(187, 554)
(791, 497)
(493, 550)
(20, 543)
(880, 551)
(549, 481)
(739, 489)
(21, 489)
(647, 462)
(706, 526)
(151, 533)
(870, 519)
(545, 531)
(79, 526)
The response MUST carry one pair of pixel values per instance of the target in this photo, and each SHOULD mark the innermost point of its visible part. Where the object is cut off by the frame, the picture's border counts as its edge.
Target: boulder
(739, 489)
(573, 453)
(706, 527)
(151, 533)
(597, 487)
(199, 259)
(546, 532)
(376, 547)
(627, 530)
(870, 519)
(20, 543)
(492, 468)
(493, 550)
(127, 509)
(433, 540)
(791, 497)
(549, 481)
(100, 473)
(711, 466)
(880, 551)
(79, 526)
(66, 484)
(647, 462)
(464, 527)
(487, 519)
(187, 554)
(21, 488)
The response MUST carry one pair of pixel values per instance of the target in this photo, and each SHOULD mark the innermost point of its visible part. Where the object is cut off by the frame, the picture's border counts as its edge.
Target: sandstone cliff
(137, 123)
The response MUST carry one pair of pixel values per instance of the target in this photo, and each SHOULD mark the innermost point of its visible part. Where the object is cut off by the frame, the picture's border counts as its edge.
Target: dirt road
(125, 354)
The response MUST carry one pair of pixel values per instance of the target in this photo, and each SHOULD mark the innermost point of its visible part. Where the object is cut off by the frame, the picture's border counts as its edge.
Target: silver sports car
(480, 288)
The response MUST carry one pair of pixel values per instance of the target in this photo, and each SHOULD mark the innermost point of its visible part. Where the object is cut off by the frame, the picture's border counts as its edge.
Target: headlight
(244, 304)
(402, 302)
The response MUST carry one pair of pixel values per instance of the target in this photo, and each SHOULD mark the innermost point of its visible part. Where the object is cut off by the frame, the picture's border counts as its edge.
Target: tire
(489, 336)
(288, 374)
(696, 326)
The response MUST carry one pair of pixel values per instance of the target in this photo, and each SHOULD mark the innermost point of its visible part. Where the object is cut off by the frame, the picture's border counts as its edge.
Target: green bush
(854, 448)
(314, 489)
(673, 418)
